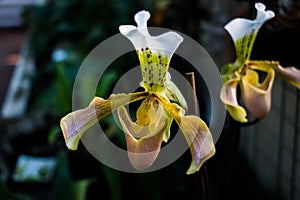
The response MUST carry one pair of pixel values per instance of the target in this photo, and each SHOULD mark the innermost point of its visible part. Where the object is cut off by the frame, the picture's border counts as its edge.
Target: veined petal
(154, 52)
(243, 31)
(76, 123)
(228, 96)
(200, 139)
(195, 132)
(257, 96)
(290, 74)
(143, 142)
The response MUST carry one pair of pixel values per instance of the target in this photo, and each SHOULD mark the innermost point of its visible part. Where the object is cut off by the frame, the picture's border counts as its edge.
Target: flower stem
(204, 184)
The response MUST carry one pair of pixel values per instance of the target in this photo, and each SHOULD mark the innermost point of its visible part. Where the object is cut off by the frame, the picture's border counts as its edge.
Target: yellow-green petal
(75, 124)
(154, 67)
(144, 115)
(174, 95)
(290, 74)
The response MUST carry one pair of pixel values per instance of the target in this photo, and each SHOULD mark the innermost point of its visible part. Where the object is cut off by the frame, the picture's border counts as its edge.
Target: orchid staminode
(162, 102)
(243, 72)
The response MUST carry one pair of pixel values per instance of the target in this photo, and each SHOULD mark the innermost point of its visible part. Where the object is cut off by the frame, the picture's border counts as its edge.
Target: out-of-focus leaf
(64, 186)
(114, 182)
(5, 193)
(54, 133)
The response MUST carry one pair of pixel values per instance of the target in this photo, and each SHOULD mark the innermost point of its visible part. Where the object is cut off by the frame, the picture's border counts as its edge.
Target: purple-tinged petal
(228, 96)
(200, 140)
(196, 133)
(257, 96)
(144, 137)
(290, 74)
(75, 124)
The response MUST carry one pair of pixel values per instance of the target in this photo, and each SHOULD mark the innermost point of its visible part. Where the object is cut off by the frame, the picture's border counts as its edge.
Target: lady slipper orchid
(162, 103)
(244, 72)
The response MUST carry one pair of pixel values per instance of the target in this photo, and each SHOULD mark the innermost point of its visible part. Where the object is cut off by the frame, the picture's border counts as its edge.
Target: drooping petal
(257, 96)
(228, 96)
(144, 139)
(290, 74)
(196, 133)
(76, 123)
(154, 52)
(200, 139)
(243, 31)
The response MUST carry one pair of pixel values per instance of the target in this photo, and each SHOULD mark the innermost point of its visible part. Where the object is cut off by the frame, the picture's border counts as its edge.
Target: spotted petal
(154, 52)
(76, 123)
(195, 132)
(243, 31)
(257, 96)
(228, 96)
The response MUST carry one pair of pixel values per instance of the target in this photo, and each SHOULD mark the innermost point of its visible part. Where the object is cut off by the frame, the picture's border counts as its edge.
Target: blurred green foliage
(74, 26)
(5, 193)
(82, 23)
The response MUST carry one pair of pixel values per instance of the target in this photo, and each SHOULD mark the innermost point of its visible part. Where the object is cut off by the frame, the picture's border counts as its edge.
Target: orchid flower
(244, 72)
(162, 102)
